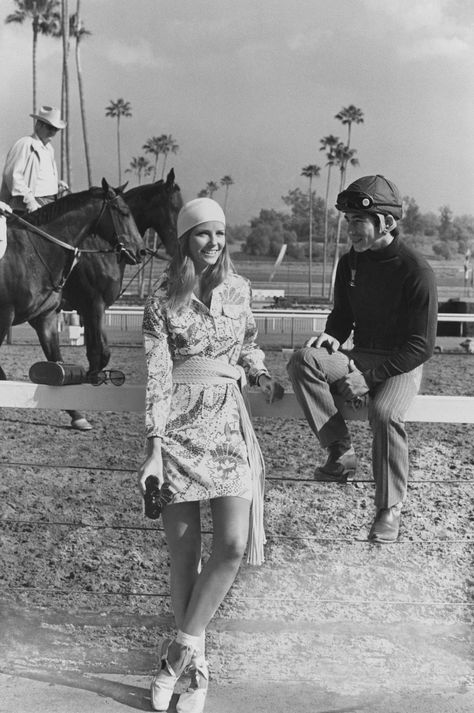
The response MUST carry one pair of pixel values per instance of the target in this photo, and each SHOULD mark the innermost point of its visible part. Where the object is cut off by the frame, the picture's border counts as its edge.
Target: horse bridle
(117, 248)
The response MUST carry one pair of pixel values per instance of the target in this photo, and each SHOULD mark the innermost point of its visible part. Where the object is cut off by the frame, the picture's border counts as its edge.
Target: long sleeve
(340, 322)
(159, 367)
(252, 357)
(18, 174)
(421, 319)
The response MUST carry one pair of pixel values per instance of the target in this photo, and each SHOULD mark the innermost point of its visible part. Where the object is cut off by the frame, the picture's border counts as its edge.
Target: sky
(249, 88)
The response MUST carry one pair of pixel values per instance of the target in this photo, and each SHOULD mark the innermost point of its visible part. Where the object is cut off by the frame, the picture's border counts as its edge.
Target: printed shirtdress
(203, 449)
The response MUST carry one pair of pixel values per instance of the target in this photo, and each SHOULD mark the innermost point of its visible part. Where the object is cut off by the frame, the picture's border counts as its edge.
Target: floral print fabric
(204, 453)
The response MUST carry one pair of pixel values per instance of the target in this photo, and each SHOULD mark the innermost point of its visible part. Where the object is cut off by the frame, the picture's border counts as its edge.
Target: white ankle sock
(195, 642)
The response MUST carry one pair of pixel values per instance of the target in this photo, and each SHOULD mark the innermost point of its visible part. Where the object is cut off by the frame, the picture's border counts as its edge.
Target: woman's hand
(272, 389)
(152, 465)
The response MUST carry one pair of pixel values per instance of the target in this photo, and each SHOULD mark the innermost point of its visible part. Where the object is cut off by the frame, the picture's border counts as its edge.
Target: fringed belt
(199, 370)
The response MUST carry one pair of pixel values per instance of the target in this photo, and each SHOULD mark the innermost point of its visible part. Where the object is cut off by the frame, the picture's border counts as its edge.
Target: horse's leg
(6, 319)
(46, 327)
(98, 351)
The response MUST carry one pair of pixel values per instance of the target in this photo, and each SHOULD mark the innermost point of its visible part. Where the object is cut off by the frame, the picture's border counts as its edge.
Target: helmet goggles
(358, 200)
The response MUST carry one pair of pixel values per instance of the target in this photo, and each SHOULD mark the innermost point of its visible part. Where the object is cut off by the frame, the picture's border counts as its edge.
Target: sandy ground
(329, 623)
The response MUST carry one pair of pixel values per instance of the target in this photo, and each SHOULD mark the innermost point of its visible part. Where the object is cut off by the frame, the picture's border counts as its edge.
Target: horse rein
(116, 250)
(118, 247)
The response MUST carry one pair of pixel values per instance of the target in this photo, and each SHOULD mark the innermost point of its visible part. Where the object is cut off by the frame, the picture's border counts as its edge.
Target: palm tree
(328, 144)
(211, 188)
(45, 19)
(116, 109)
(344, 156)
(311, 171)
(141, 166)
(154, 146)
(168, 145)
(350, 115)
(227, 182)
(65, 135)
(77, 30)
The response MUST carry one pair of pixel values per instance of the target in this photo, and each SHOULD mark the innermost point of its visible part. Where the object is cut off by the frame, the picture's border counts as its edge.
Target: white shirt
(30, 170)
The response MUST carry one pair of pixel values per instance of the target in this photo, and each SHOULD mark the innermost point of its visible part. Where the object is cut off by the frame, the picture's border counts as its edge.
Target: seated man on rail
(386, 293)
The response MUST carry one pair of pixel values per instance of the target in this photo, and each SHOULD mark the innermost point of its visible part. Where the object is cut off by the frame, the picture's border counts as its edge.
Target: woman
(198, 329)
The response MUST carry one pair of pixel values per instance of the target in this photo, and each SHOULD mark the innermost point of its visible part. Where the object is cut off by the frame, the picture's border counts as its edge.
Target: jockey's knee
(304, 360)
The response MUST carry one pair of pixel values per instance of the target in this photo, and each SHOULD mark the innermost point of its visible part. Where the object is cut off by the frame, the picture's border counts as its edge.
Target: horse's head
(115, 223)
(156, 205)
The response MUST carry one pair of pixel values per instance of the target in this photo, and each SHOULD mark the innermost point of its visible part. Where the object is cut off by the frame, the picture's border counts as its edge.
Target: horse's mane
(150, 188)
(57, 208)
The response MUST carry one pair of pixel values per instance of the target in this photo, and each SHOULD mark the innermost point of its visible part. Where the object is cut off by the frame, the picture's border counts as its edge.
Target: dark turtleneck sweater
(389, 298)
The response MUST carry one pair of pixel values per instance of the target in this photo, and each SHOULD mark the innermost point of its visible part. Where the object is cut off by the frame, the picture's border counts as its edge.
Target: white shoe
(162, 685)
(194, 697)
(81, 424)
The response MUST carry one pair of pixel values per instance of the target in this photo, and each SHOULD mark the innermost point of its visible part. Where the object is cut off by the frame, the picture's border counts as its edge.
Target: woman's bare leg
(182, 524)
(230, 516)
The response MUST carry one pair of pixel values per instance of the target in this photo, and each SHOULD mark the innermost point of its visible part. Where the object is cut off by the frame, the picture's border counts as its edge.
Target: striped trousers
(315, 373)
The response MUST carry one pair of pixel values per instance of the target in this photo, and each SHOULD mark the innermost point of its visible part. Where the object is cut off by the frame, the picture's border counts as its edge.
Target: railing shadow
(134, 697)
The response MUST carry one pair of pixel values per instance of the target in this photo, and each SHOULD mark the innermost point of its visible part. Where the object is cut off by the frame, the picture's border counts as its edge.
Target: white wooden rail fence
(106, 397)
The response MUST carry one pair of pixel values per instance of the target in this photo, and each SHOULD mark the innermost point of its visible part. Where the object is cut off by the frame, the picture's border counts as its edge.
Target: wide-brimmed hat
(50, 115)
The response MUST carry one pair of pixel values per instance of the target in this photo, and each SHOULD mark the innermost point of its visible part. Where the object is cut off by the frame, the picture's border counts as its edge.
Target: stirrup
(163, 684)
(194, 697)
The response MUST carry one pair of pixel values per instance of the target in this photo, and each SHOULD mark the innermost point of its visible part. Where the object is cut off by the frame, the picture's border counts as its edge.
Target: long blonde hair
(182, 275)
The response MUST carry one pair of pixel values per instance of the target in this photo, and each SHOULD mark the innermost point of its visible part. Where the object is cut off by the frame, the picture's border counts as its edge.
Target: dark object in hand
(156, 497)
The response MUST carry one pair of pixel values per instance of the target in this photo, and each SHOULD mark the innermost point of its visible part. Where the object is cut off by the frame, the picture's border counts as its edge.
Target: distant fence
(268, 321)
(277, 328)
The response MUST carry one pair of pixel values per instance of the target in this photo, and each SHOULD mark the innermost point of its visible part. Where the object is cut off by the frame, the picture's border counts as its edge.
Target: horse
(95, 282)
(42, 250)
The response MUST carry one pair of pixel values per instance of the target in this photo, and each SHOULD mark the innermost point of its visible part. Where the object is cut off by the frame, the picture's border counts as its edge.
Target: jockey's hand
(353, 385)
(5, 208)
(272, 389)
(323, 340)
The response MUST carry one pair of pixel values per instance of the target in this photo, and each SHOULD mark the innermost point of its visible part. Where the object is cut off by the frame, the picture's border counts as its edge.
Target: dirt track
(377, 621)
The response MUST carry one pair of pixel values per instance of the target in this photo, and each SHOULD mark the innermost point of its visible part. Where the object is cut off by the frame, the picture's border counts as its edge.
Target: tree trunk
(150, 274)
(338, 235)
(310, 273)
(118, 151)
(326, 235)
(67, 136)
(81, 98)
(165, 156)
(35, 44)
